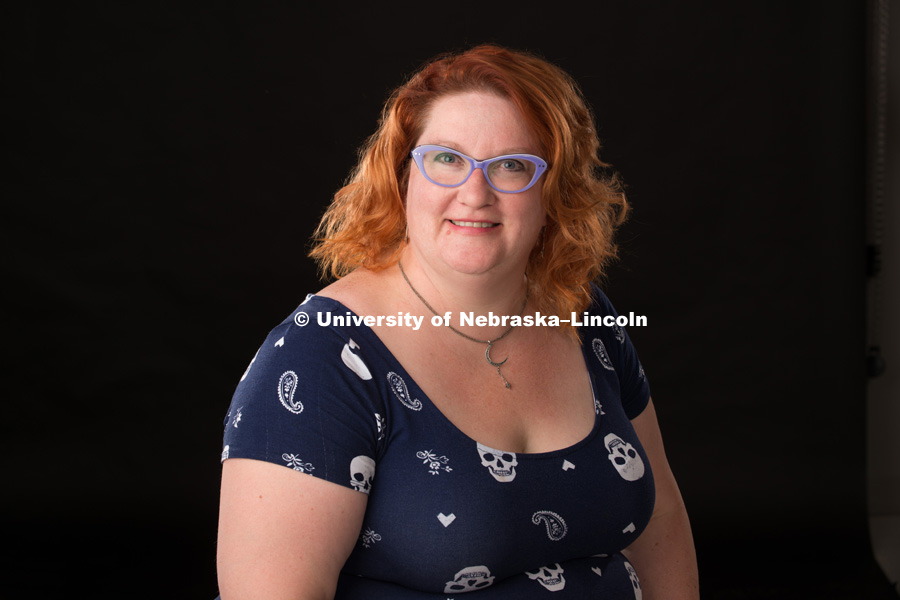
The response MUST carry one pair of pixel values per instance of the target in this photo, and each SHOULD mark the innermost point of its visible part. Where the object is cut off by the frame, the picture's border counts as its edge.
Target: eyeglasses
(509, 174)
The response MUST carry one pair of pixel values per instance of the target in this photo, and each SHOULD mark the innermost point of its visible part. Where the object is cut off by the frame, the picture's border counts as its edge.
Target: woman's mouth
(477, 224)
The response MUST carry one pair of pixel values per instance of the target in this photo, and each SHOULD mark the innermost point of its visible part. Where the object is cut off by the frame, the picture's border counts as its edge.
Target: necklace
(487, 351)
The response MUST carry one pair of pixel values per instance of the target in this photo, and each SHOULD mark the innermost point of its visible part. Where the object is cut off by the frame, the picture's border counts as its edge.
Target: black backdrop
(168, 164)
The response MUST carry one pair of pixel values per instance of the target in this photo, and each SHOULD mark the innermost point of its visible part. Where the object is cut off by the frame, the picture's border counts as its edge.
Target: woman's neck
(500, 293)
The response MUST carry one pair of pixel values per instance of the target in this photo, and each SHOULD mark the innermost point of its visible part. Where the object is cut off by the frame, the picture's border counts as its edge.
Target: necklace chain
(487, 351)
(490, 343)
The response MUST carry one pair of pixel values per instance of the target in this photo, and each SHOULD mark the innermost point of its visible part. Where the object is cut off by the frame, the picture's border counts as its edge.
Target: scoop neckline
(423, 397)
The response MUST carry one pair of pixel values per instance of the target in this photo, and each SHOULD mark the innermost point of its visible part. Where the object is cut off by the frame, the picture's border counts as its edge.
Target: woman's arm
(664, 554)
(283, 534)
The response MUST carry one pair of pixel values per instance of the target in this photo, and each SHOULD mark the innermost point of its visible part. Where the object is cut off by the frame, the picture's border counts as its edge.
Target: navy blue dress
(447, 515)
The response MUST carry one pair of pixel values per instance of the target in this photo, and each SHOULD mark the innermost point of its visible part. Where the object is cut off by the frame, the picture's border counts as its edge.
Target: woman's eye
(447, 158)
(511, 165)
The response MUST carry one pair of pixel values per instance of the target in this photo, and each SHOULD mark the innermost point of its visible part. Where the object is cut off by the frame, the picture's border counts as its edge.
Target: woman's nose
(476, 192)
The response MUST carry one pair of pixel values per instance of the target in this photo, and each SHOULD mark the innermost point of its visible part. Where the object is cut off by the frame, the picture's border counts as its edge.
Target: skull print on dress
(469, 580)
(624, 458)
(354, 362)
(549, 577)
(362, 472)
(635, 582)
(502, 465)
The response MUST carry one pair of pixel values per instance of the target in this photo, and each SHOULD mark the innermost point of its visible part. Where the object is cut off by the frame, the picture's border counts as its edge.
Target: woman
(431, 453)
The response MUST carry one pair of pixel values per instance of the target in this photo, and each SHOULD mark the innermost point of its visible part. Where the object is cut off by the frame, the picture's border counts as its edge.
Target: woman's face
(472, 228)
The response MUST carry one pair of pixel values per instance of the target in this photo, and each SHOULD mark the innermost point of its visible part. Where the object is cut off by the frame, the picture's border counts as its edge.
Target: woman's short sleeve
(620, 353)
(307, 401)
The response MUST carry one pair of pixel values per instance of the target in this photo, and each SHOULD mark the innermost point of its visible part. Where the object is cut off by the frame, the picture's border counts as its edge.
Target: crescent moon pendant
(487, 355)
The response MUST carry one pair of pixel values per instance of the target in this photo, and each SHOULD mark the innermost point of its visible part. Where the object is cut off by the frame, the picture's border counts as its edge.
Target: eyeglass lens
(449, 168)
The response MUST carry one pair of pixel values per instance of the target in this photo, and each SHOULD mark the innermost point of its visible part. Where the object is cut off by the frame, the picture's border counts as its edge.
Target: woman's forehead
(476, 123)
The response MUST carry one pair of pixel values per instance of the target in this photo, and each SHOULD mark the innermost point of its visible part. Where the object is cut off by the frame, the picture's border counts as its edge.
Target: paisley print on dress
(287, 385)
(556, 526)
(602, 355)
(398, 386)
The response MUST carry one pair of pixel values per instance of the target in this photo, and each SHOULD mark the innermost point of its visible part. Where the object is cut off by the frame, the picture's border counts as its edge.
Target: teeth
(472, 223)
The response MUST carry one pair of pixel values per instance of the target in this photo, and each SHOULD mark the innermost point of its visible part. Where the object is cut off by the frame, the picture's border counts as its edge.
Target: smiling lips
(477, 224)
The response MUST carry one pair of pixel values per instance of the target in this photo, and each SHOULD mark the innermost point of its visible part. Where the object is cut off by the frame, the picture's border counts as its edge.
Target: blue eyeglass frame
(418, 153)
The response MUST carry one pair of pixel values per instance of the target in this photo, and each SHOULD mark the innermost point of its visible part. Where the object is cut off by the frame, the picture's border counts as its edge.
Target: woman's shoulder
(361, 291)
(308, 336)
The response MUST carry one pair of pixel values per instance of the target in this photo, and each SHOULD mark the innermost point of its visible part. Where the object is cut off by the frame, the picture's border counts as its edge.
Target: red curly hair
(365, 225)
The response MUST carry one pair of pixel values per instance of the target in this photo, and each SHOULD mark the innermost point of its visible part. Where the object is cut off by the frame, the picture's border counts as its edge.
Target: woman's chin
(473, 264)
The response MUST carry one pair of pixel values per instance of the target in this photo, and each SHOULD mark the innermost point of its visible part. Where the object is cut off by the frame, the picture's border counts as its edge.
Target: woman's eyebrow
(504, 152)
